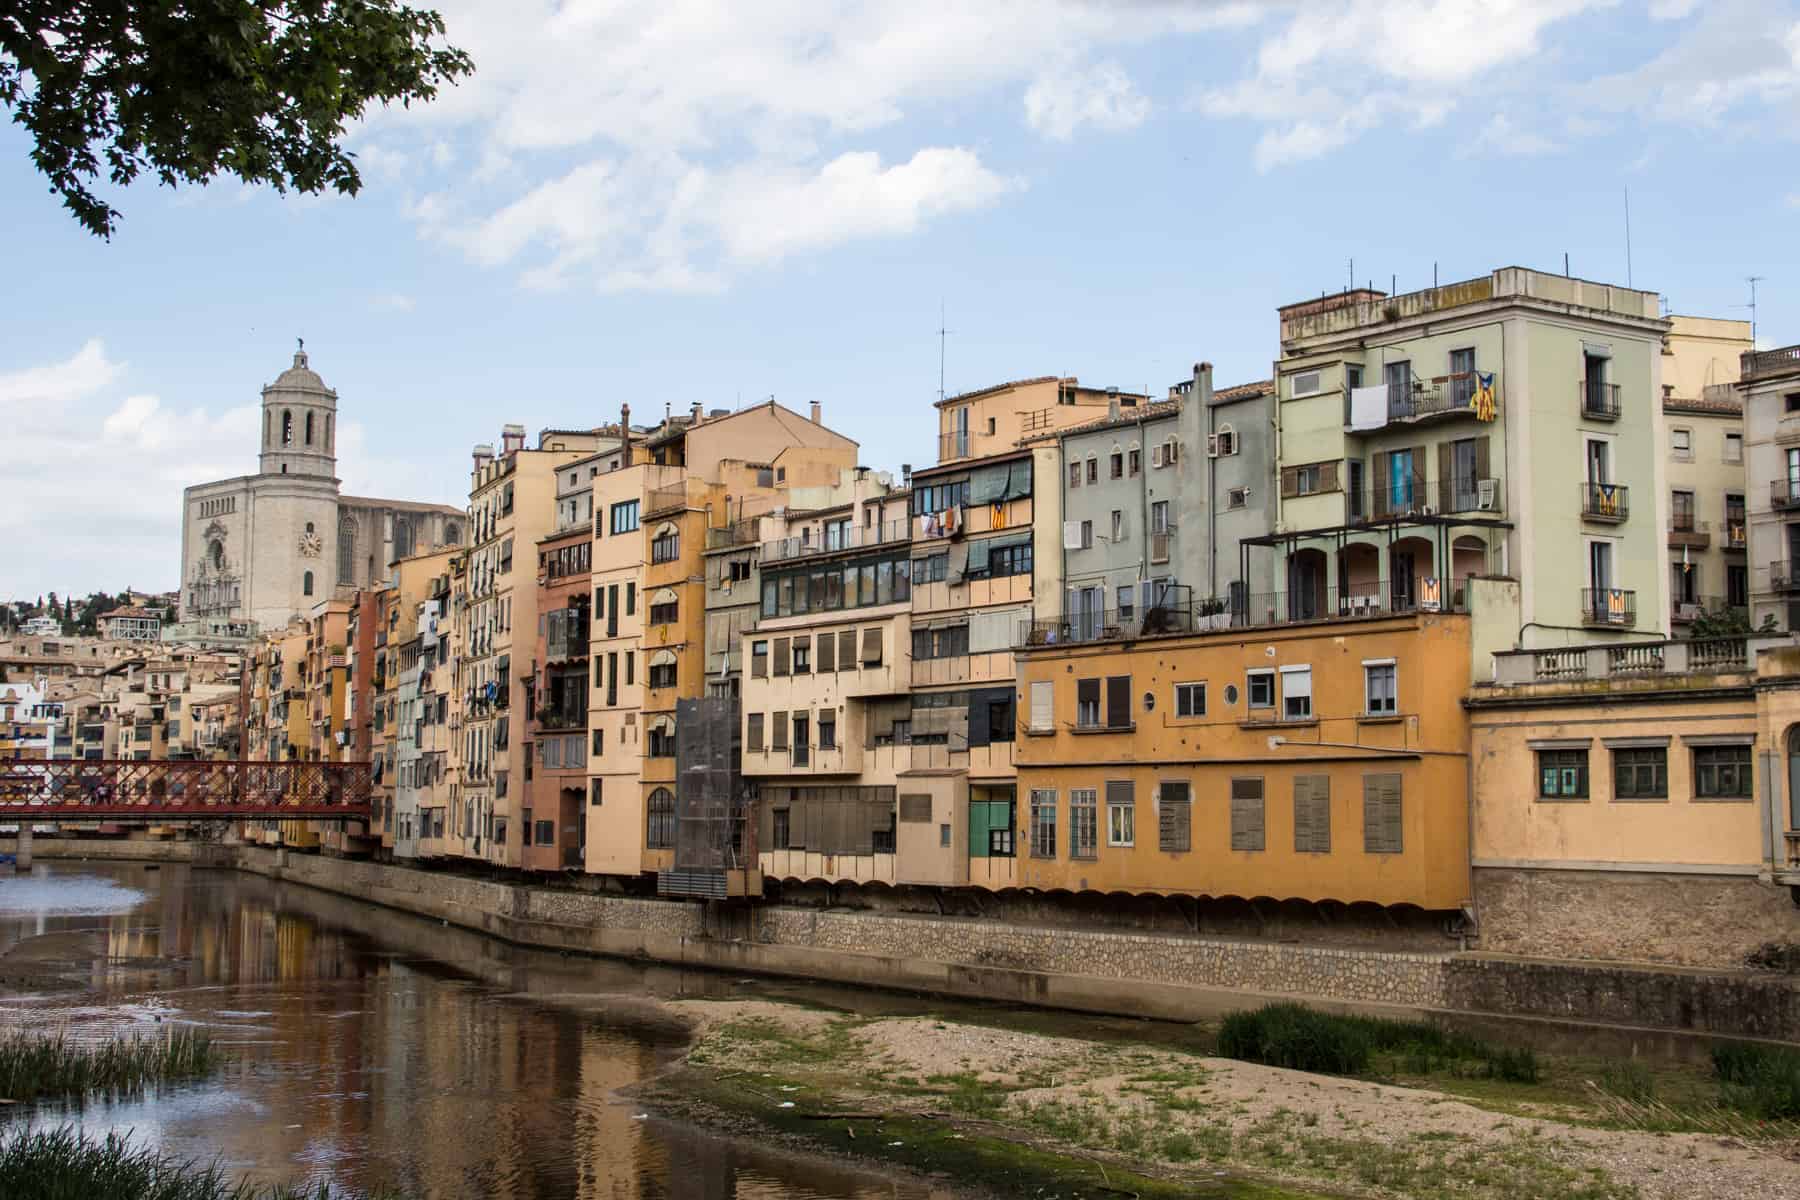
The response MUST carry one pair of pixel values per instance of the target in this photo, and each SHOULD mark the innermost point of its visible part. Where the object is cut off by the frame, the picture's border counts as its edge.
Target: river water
(370, 1048)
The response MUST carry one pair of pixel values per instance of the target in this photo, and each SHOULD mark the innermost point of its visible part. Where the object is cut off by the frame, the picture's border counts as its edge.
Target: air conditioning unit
(1487, 495)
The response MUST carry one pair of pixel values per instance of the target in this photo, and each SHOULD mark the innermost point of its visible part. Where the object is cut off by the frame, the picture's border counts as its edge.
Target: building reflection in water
(371, 1048)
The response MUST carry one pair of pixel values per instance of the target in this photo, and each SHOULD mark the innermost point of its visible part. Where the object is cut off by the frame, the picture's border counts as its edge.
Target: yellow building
(1708, 532)
(1628, 800)
(1318, 762)
(993, 420)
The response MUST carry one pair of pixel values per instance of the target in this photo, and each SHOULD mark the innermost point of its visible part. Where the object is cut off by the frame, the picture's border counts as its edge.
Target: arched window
(1227, 440)
(268, 427)
(309, 431)
(452, 535)
(661, 834)
(309, 527)
(328, 432)
(218, 555)
(287, 427)
(403, 538)
(306, 584)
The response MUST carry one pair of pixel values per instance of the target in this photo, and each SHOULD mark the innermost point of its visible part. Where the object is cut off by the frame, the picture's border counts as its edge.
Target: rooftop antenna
(1752, 280)
(1628, 235)
(943, 335)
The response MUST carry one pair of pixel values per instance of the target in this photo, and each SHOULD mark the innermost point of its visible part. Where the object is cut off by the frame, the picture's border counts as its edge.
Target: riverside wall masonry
(1162, 975)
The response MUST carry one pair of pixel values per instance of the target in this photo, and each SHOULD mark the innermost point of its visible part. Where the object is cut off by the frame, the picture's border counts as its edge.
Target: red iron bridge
(187, 790)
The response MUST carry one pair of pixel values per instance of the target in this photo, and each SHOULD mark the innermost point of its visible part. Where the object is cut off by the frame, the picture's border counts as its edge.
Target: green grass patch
(1761, 1081)
(50, 1067)
(1306, 1039)
(59, 1164)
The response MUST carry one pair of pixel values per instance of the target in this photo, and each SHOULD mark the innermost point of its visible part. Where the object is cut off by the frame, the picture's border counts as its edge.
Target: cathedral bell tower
(299, 423)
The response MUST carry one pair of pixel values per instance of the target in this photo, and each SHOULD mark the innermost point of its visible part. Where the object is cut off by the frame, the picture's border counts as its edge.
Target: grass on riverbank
(1306, 1039)
(35, 1066)
(57, 1164)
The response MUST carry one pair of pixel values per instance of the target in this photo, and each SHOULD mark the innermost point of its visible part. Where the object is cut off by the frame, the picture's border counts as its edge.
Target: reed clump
(35, 1066)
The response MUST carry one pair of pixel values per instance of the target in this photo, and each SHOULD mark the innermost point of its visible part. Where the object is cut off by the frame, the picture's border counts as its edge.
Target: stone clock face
(310, 545)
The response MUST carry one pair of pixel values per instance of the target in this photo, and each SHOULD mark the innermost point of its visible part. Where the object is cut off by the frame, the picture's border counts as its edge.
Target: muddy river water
(371, 1048)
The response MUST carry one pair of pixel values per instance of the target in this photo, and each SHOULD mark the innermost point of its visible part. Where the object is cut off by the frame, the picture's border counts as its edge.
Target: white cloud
(1671, 10)
(84, 373)
(1319, 86)
(600, 130)
(1737, 56)
(1501, 136)
(397, 302)
(1102, 96)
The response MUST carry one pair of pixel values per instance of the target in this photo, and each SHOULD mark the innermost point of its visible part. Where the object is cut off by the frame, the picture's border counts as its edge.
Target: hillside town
(1468, 627)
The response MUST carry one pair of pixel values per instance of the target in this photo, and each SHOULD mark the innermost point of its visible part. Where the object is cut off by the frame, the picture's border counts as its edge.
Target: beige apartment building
(994, 420)
(1769, 389)
(1511, 425)
(1708, 525)
(512, 504)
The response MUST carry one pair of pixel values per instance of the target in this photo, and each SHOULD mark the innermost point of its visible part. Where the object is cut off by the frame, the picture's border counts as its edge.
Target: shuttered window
(846, 649)
(915, 809)
(871, 647)
(1382, 814)
(755, 734)
(759, 660)
(1043, 706)
(778, 726)
(1174, 816)
(827, 653)
(1118, 701)
(1087, 703)
(782, 647)
(1312, 814)
(1247, 814)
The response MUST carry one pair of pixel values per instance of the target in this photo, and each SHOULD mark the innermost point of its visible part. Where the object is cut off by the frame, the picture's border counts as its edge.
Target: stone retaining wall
(1164, 975)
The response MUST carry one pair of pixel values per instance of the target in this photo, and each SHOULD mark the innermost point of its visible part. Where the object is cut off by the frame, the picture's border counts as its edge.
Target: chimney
(512, 439)
(815, 413)
(694, 416)
(1203, 384)
(1112, 409)
(483, 454)
(625, 433)
(905, 474)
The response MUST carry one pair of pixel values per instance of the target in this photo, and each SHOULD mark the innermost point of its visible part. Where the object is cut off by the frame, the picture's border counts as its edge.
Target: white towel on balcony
(1369, 407)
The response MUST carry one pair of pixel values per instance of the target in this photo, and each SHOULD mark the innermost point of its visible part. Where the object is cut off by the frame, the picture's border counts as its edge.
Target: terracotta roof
(131, 610)
(1001, 387)
(1694, 404)
(1243, 391)
(1127, 416)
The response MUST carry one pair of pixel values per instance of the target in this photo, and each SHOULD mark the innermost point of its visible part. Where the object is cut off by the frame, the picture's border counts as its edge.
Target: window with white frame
(1734, 447)
(1261, 688)
(1043, 823)
(1121, 813)
(1681, 442)
(1380, 688)
(1237, 497)
(1084, 822)
(1296, 693)
(1190, 699)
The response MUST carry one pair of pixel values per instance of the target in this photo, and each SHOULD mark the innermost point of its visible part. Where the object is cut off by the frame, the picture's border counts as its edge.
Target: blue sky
(688, 200)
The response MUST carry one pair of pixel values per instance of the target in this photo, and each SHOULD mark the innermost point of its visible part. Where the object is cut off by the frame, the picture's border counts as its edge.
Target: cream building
(269, 546)
(1708, 532)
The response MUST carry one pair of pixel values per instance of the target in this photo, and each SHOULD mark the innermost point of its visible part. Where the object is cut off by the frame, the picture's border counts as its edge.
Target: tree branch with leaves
(188, 90)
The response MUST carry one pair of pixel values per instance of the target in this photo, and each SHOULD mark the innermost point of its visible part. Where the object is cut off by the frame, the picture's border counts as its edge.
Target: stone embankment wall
(1167, 975)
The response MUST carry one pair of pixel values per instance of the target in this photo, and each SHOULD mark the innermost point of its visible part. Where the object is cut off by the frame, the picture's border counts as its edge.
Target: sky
(677, 201)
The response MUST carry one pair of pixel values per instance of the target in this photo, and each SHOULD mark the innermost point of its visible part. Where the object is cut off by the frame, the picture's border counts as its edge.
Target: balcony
(1612, 608)
(1405, 496)
(738, 533)
(1599, 401)
(1428, 400)
(665, 500)
(1736, 532)
(1609, 502)
(1770, 362)
(1784, 493)
(1685, 531)
(1113, 625)
(1784, 577)
(1686, 612)
(953, 445)
(1633, 661)
(857, 538)
(1364, 601)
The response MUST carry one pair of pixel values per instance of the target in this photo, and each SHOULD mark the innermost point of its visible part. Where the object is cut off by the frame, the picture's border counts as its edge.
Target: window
(871, 645)
(1734, 447)
(1640, 773)
(934, 569)
(1043, 710)
(665, 614)
(662, 675)
(624, 516)
(1681, 511)
(1084, 823)
(287, 427)
(1237, 497)
(1306, 383)
(1134, 461)
(1380, 689)
(599, 740)
(1737, 585)
(1174, 816)
(1225, 441)
(1247, 824)
(753, 735)
(630, 598)
(1121, 813)
(1118, 525)
(546, 833)
(662, 820)
(1790, 402)
(1116, 464)
(759, 660)
(306, 584)
(1043, 823)
(1262, 688)
(662, 742)
(782, 651)
(1383, 828)
(1681, 441)
(1296, 693)
(1075, 474)
(1722, 772)
(666, 546)
(1127, 603)
(1011, 559)
(827, 729)
(1312, 814)
(1093, 469)
(1087, 535)
(1190, 700)
(803, 656)
(944, 834)
(739, 570)
(1118, 702)
(1159, 517)
(1562, 774)
(781, 834)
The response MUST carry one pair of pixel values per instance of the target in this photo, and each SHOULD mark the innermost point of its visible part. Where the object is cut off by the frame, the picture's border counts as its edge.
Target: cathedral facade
(268, 547)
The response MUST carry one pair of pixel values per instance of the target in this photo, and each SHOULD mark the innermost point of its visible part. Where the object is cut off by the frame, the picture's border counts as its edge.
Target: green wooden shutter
(1382, 824)
(1312, 814)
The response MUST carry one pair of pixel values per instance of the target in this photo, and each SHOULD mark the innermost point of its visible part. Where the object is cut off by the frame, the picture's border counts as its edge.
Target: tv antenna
(1752, 280)
(943, 336)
